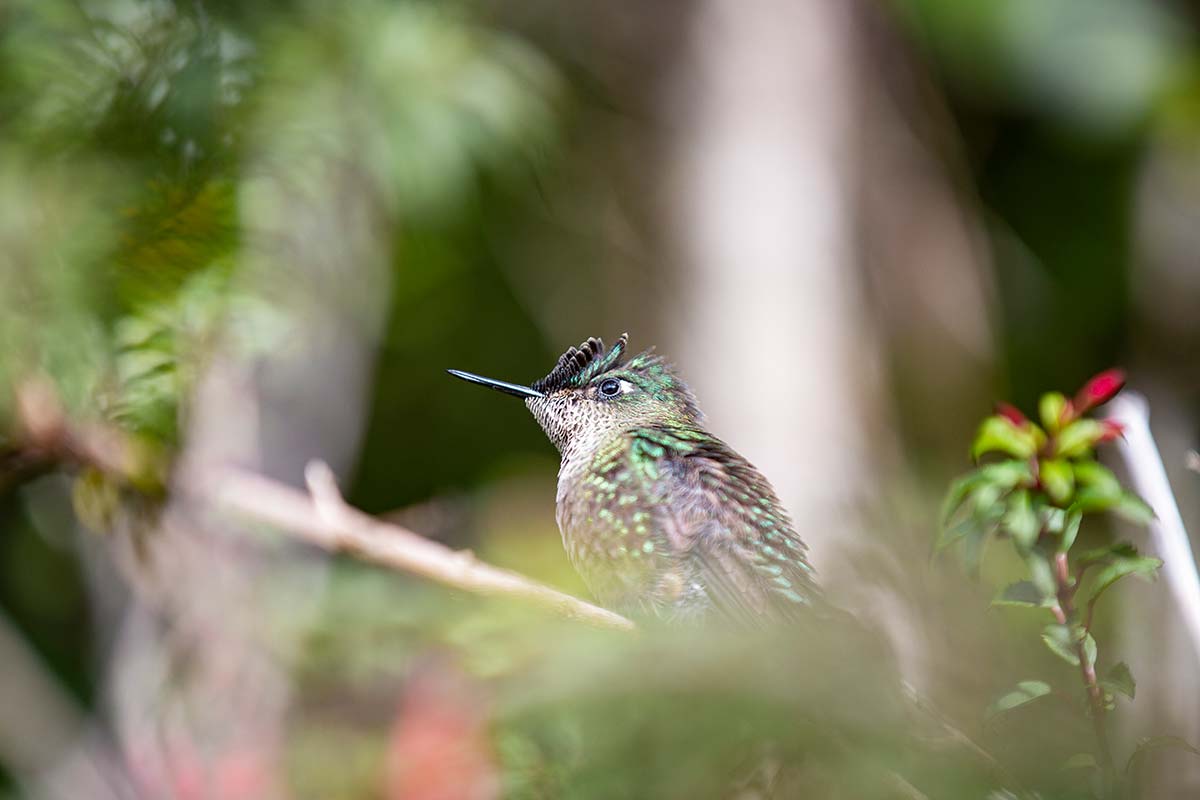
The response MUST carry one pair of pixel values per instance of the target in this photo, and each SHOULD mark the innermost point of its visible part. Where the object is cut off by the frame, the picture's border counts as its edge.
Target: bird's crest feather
(580, 364)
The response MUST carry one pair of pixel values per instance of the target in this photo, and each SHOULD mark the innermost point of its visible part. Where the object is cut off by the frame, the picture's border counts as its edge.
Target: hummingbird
(661, 518)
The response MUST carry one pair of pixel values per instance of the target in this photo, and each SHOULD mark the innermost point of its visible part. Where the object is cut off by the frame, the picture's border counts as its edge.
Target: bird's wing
(724, 520)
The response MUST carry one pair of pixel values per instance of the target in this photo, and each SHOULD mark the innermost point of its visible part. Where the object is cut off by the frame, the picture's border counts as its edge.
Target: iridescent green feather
(670, 520)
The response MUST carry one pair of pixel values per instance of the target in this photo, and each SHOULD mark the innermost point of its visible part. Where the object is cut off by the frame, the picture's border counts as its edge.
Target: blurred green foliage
(1099, 67)
(133, 147)
(1059, 103)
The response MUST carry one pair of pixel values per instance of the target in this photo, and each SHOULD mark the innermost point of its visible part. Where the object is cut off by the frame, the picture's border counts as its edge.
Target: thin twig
(1066, 614)
(953, 733)
(46, 437)
(1091, 613)
(323, 518)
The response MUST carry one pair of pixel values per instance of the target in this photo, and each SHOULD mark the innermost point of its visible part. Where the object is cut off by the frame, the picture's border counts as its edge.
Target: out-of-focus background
(250, 234)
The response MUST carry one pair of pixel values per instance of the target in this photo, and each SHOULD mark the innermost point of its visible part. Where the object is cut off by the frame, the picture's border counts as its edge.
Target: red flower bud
(1011, 413)
(1112, 430)
(1099, 389)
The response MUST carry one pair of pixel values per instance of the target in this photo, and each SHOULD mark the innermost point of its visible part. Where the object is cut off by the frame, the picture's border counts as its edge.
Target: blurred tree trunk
(771, 320)
(824, 253)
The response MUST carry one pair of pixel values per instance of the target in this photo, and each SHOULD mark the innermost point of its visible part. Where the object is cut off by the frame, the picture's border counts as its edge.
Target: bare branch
(321, 517)
(324, 519)
(46, 437)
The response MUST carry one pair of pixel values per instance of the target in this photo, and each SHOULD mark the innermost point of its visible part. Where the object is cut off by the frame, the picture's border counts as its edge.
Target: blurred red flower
(439, 747)
(1099, 389)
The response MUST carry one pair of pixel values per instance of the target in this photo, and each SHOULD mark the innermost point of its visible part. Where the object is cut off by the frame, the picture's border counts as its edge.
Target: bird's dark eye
(610, 387)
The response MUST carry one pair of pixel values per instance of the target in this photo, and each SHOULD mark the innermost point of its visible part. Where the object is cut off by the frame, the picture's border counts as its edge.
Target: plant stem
(1066, 614)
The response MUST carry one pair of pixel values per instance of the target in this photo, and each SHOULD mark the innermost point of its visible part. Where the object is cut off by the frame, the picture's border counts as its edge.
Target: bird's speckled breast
(615, 517)
(605, 523)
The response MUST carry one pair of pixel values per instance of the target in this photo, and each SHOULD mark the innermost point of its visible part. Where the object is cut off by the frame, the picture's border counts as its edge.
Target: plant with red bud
(1099, 390)
(1038, 484)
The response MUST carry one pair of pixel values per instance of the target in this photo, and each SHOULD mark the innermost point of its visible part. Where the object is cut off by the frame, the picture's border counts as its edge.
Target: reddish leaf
(1011, 413)
(1112, 430)
(1099, 389)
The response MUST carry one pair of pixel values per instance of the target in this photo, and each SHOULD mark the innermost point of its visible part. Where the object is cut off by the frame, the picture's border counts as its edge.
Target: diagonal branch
(320, 517)
(324, 519)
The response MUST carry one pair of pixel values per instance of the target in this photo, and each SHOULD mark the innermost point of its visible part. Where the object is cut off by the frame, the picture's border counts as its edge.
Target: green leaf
(1022, 593)
(984, 516)
(1119, 680)
(1058, 479)
(1089, 649)
(1070, 531)
(980, 493)
(1080, 761)
(1134, 509)
(1159, 743)
(956, 532)
(1020, 520)
(985, 502)
(1053, 519)
(1119, 566)
(998, 434)
(1092, 501)
(1101, 491)
(1096, 475)
(1003, 475)
(1078, 438)
(1099, 488)
(1060, 641)
(1099, 554)
(1041, 574)
(1008, 474)
(975, 544)
(958, 492)
(1026, 691)
(1052, 409)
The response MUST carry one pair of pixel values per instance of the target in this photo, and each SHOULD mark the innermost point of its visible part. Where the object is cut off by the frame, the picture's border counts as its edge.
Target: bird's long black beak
(515, 389)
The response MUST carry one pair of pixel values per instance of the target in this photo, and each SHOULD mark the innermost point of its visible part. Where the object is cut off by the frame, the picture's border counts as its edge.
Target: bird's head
(593, 392)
